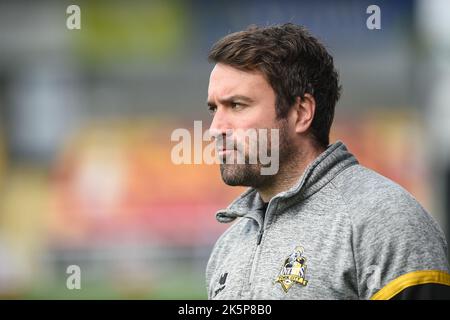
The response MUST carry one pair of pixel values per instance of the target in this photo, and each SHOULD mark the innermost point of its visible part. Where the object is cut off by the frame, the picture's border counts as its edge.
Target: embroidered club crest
(293, 270)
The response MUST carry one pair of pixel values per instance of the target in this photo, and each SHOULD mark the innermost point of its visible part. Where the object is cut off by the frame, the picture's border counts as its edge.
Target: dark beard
(249, 175)
(242, 175)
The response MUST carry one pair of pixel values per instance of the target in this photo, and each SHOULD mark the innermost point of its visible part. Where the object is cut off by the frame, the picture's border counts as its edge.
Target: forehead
(227, 80)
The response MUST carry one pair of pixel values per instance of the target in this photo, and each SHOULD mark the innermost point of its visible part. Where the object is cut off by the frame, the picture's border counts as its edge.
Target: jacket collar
(318, 173)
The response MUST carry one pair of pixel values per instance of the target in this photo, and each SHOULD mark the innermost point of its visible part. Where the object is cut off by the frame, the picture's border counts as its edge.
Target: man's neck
(288, 174)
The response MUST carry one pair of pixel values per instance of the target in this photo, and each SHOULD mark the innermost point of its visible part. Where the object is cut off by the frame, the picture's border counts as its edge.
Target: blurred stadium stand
(86, 117)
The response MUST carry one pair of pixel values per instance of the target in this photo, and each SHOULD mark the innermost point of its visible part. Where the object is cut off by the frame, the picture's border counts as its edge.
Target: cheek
(256, 117)
(259, 117)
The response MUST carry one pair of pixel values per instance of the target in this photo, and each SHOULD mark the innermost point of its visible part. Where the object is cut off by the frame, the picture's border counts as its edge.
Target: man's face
(241, 100)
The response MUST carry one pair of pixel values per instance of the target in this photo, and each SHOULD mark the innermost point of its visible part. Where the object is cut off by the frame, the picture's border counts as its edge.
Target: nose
(219, 125)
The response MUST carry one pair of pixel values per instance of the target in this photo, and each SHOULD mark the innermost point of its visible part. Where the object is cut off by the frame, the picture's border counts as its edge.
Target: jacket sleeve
(400, 252)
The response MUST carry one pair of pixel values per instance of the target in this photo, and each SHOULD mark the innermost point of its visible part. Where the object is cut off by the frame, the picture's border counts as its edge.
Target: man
(322, 226)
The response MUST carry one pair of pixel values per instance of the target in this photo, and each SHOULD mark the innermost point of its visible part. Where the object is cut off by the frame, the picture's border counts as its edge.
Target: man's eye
(212, 109)
(235, 105)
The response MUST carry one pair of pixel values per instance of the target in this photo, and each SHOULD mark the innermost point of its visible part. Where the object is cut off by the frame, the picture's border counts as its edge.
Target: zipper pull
(260, 234)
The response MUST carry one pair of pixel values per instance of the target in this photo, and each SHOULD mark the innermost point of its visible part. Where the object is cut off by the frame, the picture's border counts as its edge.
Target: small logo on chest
(293, 270)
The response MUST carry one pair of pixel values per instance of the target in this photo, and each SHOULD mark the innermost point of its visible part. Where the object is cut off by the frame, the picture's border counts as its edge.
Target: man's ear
(304, 108)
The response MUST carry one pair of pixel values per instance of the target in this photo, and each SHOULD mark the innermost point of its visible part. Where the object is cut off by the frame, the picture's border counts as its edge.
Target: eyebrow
(231, 99)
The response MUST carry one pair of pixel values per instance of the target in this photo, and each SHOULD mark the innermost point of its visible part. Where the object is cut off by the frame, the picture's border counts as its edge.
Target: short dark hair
(293, 62)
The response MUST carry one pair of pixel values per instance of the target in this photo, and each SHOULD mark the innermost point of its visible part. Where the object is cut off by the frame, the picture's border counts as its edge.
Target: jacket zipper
(255, 257)
(258, 246)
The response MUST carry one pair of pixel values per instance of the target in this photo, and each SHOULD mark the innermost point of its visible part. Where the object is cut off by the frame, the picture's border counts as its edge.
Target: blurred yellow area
(154, 30)
(24, 220)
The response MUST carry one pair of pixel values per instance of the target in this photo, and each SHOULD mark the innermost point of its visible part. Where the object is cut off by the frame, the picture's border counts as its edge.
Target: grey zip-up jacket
(342, 232)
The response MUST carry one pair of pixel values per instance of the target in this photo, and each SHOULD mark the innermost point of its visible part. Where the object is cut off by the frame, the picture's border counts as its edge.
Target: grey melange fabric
(342, 232)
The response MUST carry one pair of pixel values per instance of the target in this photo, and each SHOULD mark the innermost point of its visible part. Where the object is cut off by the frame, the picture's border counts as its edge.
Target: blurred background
(86, 117)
